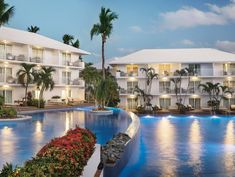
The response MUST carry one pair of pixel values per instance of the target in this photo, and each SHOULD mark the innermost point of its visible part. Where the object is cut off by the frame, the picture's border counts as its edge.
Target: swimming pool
(19, 141)
(184, 146)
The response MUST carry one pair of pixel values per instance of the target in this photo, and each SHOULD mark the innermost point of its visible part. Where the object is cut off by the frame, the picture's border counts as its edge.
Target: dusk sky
(141, 24)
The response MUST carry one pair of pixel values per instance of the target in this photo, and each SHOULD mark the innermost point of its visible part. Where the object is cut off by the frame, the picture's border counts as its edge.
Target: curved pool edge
(18, 119)
(133, 132)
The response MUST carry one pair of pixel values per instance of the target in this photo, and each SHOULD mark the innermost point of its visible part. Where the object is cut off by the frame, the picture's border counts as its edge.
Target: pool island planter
(16, 119)
(114, 168)
(102, 112)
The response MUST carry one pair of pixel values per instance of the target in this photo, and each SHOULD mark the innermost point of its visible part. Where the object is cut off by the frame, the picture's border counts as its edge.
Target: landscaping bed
(63, 156)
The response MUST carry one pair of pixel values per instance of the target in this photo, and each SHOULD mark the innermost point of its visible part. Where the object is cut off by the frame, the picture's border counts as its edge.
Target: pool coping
(19, 118)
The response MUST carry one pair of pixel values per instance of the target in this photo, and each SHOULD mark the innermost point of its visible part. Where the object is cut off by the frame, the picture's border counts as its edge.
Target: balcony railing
(77, 82)
(36, 59)
(77, 63)
(126, 91)
(229, 73)
(123, 74)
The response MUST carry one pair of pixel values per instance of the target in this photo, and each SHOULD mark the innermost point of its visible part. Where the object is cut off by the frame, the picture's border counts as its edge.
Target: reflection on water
(229, 141)
(166, 143)
(195, 147)
(22, 140)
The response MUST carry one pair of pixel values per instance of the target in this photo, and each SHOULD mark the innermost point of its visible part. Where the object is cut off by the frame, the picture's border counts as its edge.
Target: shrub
(56, 97)
(8, 112)
(64, 156)
(7, 170)
(35, 103)
(2, 100)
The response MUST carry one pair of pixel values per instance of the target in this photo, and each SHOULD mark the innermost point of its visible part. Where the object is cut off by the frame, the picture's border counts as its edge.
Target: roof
(98, 65)
(34, 39)
(187, 55)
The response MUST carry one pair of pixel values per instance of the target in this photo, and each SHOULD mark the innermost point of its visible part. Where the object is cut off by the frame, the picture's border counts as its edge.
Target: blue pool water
(22, 140)
(184, 146)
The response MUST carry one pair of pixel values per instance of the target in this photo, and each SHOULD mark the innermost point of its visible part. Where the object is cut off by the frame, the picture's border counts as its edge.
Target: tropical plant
(143, 97)
(26, 76)
(6, 12)
(216, 93)
(104, 28)
(76, 44)
(177, 82)
(67, 39)
(44, 80)
(7, 170)
(150, 75)
(33, 29)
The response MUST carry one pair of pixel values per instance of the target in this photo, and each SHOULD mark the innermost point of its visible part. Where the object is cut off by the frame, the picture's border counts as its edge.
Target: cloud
(228, 46)
(187, 42)
(136, 29)
(125, 50)
(189, 17)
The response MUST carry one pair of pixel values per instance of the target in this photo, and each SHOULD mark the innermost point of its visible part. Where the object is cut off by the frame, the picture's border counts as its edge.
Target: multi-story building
(209, 65)
(17, 46)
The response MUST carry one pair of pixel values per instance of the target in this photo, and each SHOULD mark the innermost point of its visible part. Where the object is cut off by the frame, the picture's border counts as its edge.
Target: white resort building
(209, 65)
(17, 46)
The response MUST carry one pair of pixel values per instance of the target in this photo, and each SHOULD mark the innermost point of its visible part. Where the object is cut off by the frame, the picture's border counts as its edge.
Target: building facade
(209, 65)
(18, 47)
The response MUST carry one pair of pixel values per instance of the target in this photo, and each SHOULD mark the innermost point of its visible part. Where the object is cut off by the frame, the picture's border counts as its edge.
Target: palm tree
(150, 75)
(76, 44)
(67, 39)
(44, 80)
(26, 76)
(6, 12)
(33, 29)
(104, 28)
(216, 93)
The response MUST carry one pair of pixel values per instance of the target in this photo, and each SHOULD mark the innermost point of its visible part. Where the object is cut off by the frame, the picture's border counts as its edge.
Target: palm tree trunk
(103, 60)
(25, 97)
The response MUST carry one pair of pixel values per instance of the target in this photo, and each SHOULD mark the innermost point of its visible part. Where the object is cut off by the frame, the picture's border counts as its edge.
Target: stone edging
(104, 112)
(20, 118)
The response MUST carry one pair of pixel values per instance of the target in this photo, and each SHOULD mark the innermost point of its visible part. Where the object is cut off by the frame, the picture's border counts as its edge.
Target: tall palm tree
(33, 29)
(44, 80)
(150, 75)
(104, 28)
(26, 76)
(67, 39)
(6, 12)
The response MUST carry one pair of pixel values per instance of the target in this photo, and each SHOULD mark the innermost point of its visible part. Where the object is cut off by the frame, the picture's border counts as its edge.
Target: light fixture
(132, 96)
(195, 78)
(165, 79)
(132, 79)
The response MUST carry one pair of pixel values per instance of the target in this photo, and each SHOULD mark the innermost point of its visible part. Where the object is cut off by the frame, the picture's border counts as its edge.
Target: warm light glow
(229, 141)
(194, 96)
(5, 41)
(132, 79)
(6, 86)
(229, 78)
(132, 96)
(195, 78)
(165, 79)
(164, 96)
(37, 92)
(195, 140)
(165, 136)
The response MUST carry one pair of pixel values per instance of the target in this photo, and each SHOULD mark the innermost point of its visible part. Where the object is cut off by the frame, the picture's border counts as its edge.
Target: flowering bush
(64, 156)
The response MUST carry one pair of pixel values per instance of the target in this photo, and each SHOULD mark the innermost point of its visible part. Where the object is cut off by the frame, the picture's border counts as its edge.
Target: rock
(112, 151)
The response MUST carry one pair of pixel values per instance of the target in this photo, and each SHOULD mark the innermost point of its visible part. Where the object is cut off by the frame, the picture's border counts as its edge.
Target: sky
(141, 23)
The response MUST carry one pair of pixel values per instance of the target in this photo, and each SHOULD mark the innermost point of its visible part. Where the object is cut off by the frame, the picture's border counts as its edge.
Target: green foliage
(37, 103)
(2, 101)
(33, 29)
(6, 12)
(10, 112)
(7, 170)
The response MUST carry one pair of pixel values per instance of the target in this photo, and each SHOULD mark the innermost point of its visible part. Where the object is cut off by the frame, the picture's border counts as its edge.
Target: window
(164, 87)
(66, 58)
(195, 102)
(227, 103)
(5, 74)
(4, 50)
(165, 103)
(196, 68)
(66, 78)
(193, 86)
(132, 70)
(37, 55)
(131, 86)
(7, 94)
(131, 103)
(164, 69)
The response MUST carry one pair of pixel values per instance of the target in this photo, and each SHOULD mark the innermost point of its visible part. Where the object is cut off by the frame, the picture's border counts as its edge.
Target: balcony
(75, 82)
(126, 91)
(35, 59)
(229, 73)
(123, 74)
(10, 56)
(77, 63)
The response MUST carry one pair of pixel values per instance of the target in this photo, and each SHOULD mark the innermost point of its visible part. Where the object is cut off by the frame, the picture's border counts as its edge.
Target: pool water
(184, 146)
(22, 140)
